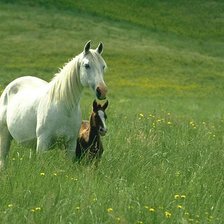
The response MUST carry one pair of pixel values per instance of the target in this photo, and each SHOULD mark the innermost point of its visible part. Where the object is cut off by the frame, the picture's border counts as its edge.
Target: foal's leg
(5, 141)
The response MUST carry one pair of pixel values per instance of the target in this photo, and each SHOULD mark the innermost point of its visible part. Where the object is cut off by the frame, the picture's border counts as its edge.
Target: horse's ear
(87, 47)
(99, 49)
(95, 106)
(105, 105)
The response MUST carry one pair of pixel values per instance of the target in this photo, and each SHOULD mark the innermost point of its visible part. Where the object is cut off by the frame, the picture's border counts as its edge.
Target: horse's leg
(71, 149)
(43, 143)
(5, 141)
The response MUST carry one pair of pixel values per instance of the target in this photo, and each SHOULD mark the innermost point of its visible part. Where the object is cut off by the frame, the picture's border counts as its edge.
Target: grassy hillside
(186, 18)
(151, 63)
(164, 150)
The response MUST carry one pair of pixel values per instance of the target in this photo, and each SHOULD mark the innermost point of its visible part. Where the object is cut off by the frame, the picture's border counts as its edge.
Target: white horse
(33, 111)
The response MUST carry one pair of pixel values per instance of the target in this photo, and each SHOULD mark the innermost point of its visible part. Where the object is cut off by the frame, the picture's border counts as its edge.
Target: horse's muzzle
(101, 92)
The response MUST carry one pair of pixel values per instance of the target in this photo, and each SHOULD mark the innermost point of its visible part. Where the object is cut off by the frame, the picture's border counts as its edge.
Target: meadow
(164, 154)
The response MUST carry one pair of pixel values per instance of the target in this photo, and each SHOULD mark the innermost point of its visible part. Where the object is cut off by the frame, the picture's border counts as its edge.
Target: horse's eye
(87, 66)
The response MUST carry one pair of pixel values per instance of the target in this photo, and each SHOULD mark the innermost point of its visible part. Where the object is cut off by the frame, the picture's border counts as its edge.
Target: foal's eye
(87, 66)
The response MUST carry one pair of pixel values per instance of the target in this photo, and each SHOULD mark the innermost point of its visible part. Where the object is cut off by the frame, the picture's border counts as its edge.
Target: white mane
(66, 86)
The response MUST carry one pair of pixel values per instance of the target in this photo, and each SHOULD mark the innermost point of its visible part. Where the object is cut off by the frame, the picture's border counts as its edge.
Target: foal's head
(98, 117)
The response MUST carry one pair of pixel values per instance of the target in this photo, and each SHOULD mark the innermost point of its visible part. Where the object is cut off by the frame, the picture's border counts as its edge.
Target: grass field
(164, 154)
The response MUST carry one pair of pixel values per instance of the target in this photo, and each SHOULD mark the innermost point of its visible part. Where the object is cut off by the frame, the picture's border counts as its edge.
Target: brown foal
(89, 144)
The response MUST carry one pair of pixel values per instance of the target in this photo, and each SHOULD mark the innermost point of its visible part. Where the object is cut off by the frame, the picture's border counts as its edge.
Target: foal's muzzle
(101, 92)
(102, 131)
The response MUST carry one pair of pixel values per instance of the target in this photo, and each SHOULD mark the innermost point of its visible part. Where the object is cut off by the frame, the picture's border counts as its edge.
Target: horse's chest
(65, 127)
(58, 124)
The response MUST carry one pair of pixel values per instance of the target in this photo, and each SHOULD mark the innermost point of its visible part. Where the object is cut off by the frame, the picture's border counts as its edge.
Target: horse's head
(99, 117)
(92, 68)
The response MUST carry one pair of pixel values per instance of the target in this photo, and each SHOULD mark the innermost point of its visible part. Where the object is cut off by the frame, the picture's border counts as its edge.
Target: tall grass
(159, 168)
(164, 149)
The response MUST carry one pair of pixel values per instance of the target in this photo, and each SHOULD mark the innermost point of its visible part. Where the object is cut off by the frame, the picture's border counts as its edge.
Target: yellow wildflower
(42, 174)
(139, 222)
(176, 196)
(179, 206)
(167, 214)
(183, 196)
(35, 209)
(151, 209)
(10, 205)
(109, 210)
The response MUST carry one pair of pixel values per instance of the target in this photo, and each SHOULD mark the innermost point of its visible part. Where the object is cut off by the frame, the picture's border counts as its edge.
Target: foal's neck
(93, 130)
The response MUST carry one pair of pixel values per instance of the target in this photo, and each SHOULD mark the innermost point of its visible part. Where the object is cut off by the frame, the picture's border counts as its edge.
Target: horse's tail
(3, 107)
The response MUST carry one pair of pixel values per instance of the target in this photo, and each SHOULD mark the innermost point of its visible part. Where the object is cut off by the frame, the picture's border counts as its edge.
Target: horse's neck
(66, 86)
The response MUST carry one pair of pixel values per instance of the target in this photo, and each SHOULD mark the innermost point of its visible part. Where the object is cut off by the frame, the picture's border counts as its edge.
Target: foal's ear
(99, 49)
(95, 106)
(87, 47)
(105, 105)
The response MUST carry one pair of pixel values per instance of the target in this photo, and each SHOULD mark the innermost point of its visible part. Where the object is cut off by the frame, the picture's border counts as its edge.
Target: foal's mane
(66, 86)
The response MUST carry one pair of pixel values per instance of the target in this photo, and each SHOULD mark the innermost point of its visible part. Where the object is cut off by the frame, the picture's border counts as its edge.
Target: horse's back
(84, 125)
(24, 88)
(18, 105)
(84, 130)
(24, 83)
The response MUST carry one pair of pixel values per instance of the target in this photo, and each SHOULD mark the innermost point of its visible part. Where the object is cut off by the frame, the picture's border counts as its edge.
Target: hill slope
(180, 55)
(202, 19)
